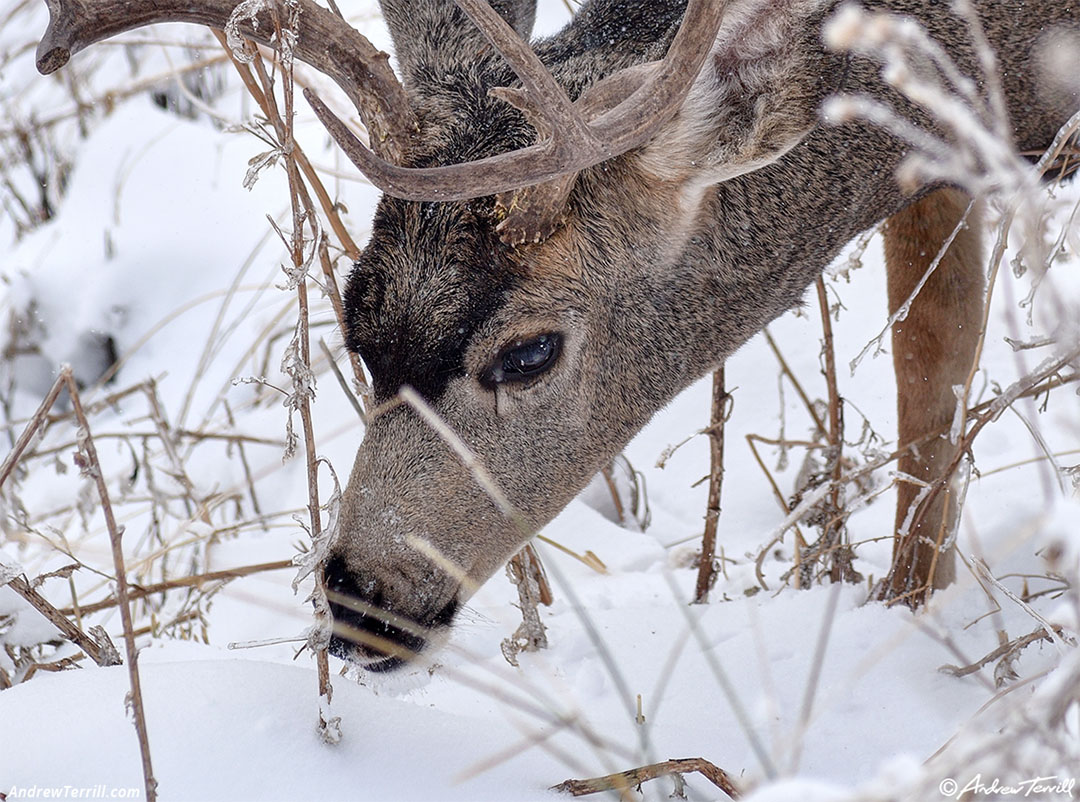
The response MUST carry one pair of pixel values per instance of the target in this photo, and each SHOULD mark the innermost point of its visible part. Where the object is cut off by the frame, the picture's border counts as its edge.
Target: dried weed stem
(720, 411)
(624, 782)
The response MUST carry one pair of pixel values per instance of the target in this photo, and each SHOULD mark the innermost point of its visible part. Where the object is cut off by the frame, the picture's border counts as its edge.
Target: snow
(248, 734)
(155, 226)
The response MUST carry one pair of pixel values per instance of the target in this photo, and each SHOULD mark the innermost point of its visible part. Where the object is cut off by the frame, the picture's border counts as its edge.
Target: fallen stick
(633, 778)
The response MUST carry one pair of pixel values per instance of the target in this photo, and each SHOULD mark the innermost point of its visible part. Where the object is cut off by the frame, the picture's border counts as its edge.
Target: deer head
(544, 272)
(543, 327)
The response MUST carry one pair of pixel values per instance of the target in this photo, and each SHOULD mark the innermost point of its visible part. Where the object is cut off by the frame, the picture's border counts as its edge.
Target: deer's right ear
(756, 96)
(432, 36)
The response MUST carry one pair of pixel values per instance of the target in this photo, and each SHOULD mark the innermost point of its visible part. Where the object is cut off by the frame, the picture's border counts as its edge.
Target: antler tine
(574, 143)
(456, 182)
(543, 100)
(663, 92)
(325, 41)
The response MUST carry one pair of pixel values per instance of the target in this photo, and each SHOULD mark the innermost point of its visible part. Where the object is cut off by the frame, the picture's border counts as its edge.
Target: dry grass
(162, 577)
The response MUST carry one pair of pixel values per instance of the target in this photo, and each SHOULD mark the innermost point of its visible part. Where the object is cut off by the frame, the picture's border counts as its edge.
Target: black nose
(366, 624)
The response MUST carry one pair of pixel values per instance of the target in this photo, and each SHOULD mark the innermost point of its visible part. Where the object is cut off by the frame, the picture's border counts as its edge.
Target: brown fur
(933, 349)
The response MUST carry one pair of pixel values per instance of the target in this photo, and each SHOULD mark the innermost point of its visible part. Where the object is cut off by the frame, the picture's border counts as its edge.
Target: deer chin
(371, 662)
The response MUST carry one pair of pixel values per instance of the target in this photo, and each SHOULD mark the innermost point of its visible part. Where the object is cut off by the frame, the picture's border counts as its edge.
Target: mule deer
(571, 234)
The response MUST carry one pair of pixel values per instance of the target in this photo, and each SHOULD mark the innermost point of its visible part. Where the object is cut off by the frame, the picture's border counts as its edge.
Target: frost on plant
(299, 372)
(245, 11)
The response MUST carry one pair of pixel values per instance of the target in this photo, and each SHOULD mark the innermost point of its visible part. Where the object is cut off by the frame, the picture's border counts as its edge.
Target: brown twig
(101, 656)
(786, 370)
(626, 780)
(36, 422)
(263, 96)
(352, 250)
(87, 460)
(109, 99)
(706, 577)
(57, 665)
(1013, 646)
(142, 591)
(758, 571)
(59, 620)
(349, 394)
(102, 403)
(166, 436)
(248, 477)
(339, 313)
(1046, 381)
(613, 489)
(196, 436)
(536, 568)
(832, 531)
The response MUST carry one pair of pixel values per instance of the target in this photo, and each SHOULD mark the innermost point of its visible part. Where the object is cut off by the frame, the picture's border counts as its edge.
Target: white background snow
(155, 226)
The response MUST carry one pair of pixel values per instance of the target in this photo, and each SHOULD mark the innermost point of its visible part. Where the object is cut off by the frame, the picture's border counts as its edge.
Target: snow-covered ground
(811, 694)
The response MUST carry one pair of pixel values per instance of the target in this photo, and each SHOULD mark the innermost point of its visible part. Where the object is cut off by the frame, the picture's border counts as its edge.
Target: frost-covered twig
(87, 459)
(527, 574)
(987, 574)
(979, 156)
(296, 362)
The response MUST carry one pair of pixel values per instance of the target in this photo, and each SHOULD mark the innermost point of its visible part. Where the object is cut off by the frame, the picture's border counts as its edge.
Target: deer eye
(523, 360)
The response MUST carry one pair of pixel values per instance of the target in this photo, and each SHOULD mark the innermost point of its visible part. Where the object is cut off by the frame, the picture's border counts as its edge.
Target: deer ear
(755, 98)
(431, 36)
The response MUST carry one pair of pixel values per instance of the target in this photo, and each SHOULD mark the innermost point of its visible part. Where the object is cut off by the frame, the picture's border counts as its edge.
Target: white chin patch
(405, 676)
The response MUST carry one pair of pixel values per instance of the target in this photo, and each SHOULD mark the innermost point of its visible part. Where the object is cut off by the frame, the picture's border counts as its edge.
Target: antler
(618, 114)
(324, 40)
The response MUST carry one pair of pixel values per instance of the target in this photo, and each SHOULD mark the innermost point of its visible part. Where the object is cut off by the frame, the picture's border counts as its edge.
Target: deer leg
(933, 348)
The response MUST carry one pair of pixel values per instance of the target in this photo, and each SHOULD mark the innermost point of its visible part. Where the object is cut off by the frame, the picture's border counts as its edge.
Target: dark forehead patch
(430, 275)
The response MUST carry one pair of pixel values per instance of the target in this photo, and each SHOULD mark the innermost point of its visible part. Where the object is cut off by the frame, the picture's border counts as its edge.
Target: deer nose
(369, 628)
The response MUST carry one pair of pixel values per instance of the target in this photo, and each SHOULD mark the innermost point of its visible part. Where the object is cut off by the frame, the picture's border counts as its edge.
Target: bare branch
(706, 577)
(194, 581)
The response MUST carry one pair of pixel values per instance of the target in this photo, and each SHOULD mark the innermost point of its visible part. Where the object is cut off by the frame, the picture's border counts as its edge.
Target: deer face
(540, 359)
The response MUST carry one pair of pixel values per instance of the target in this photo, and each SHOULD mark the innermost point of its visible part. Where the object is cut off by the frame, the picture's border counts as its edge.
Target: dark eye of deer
(524, 360)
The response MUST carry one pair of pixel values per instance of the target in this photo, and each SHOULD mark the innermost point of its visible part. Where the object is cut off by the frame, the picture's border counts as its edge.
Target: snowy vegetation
(147, 224)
